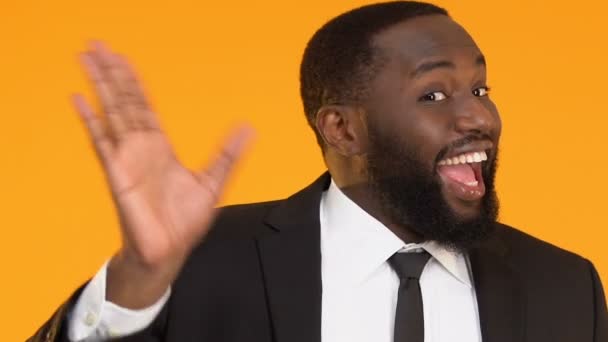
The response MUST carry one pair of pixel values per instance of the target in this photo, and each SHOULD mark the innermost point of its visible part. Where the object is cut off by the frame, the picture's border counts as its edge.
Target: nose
(475, 116)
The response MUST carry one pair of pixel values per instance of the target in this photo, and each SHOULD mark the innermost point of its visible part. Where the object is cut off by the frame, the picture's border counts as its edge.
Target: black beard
(410, 195)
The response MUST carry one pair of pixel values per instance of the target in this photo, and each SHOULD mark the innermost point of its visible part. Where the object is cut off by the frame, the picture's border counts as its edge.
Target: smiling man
(398, 241)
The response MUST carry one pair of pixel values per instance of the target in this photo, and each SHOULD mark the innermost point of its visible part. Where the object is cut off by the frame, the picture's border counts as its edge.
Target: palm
(164, 208)
(163, 204)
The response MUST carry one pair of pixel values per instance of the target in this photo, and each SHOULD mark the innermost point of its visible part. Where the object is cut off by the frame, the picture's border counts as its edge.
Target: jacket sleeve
(56, 330)
(601, 313)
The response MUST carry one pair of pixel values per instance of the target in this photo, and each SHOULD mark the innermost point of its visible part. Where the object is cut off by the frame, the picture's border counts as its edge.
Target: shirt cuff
(95, 319)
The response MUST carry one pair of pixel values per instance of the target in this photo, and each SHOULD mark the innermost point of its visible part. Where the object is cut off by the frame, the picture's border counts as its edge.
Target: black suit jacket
(257, 277)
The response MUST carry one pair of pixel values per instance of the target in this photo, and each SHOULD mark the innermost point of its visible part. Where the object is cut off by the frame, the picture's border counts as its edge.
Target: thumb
(216, 173)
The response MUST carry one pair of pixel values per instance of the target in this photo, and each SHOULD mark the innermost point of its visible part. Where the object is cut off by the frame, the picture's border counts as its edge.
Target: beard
(410, 194)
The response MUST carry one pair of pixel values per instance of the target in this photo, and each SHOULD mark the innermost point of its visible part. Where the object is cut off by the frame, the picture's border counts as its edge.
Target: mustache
(471, 138)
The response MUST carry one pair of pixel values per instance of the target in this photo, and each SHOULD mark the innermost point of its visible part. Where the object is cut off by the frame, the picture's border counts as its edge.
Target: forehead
(427, 37)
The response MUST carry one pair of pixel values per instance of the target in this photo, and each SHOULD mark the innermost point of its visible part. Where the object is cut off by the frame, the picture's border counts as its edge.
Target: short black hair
(340, 60)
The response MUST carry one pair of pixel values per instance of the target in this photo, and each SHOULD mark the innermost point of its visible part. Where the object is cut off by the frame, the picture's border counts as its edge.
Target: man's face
(433, 132)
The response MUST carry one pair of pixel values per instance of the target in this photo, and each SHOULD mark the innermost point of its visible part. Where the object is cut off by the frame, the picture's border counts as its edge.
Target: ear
(343, 129)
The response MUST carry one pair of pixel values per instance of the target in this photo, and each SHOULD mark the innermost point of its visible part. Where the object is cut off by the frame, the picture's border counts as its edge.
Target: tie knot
(409, 265)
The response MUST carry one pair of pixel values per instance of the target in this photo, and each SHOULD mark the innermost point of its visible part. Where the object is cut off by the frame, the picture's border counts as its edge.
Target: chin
(464, 210)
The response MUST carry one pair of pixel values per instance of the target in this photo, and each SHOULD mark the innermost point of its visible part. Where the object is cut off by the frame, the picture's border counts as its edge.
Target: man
(397, 242)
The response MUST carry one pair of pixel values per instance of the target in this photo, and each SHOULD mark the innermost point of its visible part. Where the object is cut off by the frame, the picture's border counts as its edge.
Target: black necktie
(409, 319)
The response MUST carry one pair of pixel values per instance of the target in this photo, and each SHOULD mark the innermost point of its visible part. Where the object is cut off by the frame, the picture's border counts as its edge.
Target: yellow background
(209, 65)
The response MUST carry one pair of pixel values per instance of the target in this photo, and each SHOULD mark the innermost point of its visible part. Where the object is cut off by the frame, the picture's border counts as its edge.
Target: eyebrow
(433, 65)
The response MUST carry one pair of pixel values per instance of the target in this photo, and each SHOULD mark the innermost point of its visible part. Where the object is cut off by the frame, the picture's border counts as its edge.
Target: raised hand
(164, 208)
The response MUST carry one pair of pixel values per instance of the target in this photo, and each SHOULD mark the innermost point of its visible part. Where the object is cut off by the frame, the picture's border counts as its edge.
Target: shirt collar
(358, 244)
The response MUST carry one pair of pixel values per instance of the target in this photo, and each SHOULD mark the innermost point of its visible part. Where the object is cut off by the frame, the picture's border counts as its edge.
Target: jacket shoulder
(524, 245)
(241, 220)
(542, 261)
(560, 286)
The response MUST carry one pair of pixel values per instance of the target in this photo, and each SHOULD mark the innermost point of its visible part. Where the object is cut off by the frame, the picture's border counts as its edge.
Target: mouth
(462, 175)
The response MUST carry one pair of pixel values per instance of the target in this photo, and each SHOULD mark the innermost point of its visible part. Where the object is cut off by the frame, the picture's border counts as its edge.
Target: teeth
(476, 157)
(465, 158)
(472, 183)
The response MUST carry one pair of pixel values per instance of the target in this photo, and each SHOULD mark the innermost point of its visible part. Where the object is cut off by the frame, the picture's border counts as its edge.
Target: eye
(481, 91)
(433, 96)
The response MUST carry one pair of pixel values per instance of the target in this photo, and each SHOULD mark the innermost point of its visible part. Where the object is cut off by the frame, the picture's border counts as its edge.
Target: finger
(215, 176)
(114, 72)
(97, 132)
(141, 110)
(106, 96)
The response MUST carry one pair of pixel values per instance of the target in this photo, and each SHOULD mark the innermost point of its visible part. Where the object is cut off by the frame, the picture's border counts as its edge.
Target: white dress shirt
(359, 287)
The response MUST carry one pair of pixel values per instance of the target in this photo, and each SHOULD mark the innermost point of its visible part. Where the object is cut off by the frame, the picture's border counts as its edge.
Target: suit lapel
(291, 263)
(499, 293)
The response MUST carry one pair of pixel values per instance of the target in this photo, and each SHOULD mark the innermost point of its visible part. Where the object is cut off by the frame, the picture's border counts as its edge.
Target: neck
(366, 199)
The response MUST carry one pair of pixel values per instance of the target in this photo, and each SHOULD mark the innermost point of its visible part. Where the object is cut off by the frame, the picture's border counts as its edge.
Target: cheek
(419, 129)
(425, 132)
(429, 134)
(491, 107)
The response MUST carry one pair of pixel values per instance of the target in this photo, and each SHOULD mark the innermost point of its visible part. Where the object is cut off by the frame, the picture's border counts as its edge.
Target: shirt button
(113, 333)
(90, 319)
